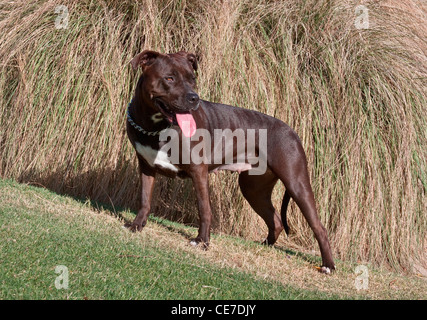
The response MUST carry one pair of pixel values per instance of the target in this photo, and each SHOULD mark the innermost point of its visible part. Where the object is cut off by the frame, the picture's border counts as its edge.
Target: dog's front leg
(147, 185)
(199, 175)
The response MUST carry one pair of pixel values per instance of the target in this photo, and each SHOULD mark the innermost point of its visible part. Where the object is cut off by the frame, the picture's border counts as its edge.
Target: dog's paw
(199, 243)
(325, 270)
(267, 243)
(194, 243)
(133, 227)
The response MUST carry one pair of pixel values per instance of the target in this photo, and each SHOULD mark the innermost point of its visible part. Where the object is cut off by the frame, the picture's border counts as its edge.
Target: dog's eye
(169, 79)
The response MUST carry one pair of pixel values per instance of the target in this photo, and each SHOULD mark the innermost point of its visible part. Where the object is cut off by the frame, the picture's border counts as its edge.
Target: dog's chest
(155, 158)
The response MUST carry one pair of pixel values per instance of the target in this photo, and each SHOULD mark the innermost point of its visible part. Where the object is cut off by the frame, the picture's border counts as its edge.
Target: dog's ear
(193, 60)
(191, 57)
(144, 59)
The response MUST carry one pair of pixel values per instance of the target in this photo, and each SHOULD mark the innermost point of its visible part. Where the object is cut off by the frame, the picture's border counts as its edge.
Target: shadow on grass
(126, 216)
(187, 230)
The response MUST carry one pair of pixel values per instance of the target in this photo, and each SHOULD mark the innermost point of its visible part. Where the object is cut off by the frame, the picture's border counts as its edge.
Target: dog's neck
(143, 114)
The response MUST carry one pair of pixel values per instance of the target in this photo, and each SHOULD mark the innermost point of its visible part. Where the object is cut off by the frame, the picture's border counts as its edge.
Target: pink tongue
(187, 124)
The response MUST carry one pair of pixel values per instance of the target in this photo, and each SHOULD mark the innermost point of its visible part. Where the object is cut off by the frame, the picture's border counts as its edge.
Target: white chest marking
(155, 157)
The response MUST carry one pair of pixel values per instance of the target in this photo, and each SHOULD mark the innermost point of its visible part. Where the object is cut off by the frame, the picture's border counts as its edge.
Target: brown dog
(166, 104)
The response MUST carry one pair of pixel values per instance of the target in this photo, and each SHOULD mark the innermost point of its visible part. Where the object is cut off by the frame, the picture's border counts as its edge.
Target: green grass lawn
(40, 230)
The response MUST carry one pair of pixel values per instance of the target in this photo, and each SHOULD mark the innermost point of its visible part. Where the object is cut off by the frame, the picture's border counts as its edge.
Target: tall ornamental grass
(350, 80)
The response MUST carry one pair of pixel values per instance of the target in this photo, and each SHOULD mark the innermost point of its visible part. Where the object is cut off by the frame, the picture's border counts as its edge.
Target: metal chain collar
(139, 128)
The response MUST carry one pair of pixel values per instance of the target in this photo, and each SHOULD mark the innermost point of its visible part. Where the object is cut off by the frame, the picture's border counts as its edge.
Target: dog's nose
(193, 98)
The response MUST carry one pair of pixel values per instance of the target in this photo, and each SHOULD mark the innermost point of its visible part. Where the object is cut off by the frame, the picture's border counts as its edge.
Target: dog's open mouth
(184, 120)
(164, 109)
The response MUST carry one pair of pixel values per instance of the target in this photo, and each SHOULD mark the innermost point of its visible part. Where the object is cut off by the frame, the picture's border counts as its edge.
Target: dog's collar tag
(157, 117)
(139, 128)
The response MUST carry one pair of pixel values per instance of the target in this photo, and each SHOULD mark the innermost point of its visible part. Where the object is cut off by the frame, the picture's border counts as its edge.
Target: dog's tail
(285, 203)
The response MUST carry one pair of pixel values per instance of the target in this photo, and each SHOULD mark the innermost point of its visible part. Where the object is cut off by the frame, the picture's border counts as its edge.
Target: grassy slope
(355, 97)
(40, 230)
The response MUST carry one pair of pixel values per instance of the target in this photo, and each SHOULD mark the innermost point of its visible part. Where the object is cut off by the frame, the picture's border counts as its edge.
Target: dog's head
(168, 82)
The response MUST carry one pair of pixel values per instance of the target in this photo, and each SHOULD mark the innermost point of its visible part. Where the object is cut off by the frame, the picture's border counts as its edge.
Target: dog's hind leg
(257, 191)
(283, 210)
(290, 165)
